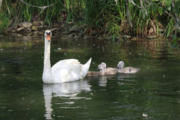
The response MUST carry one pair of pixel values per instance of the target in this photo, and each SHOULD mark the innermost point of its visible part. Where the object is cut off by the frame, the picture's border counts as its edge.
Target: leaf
(174, 36)
(167, 2)
(161, 11)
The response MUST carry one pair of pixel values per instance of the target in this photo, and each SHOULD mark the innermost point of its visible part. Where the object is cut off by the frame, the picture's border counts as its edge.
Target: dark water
(153, 93)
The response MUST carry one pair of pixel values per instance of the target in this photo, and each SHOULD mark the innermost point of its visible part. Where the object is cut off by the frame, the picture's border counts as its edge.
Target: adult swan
(64, 70)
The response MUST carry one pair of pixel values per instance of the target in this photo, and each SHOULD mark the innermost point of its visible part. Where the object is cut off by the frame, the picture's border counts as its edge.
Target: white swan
(64, 70)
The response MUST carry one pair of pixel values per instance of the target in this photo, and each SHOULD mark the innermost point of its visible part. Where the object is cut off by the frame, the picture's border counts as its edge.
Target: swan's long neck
(121, 68)
(102, 71)
(122, 65)
(47, 62)
(47, 75)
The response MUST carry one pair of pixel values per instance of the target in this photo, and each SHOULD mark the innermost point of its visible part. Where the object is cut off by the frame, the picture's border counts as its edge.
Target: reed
(4, 23)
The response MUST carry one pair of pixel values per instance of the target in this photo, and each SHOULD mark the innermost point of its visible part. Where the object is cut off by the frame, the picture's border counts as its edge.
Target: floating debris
(144, 115)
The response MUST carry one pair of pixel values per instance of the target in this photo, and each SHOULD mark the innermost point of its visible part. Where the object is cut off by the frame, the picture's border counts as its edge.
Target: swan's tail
(85, 68)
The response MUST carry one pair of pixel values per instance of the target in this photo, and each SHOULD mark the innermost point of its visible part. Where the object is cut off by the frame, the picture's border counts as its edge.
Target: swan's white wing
(66, 70)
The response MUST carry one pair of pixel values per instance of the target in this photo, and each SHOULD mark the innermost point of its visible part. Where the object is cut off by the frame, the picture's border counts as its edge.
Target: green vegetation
(113, 17)
(4, 21)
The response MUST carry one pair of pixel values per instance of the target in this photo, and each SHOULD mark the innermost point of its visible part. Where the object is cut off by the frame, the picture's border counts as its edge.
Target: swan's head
(102, 66)
(120, 65)
(48, 35)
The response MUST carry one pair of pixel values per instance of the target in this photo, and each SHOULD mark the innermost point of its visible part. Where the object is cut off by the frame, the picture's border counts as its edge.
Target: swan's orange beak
(48, 37)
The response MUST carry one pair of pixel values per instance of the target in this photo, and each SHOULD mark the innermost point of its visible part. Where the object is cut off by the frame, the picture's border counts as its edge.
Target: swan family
(71, 69)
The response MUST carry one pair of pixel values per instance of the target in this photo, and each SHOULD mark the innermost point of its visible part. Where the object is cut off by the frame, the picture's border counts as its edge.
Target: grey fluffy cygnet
(128, 70)
(107, 71)
(103, 70)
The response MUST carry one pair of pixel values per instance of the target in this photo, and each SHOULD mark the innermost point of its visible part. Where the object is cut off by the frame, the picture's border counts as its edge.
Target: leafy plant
(110, 16)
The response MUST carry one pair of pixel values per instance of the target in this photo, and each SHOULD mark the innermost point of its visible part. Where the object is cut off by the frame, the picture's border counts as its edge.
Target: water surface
(153, 93)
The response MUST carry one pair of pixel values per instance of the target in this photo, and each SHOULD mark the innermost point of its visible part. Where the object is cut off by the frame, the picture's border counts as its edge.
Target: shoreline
(73, 31)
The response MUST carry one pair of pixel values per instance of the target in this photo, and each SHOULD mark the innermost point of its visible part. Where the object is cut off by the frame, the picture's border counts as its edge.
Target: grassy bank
(138, 18)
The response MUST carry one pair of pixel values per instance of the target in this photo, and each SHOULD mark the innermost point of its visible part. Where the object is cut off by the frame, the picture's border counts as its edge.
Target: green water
(153, 93)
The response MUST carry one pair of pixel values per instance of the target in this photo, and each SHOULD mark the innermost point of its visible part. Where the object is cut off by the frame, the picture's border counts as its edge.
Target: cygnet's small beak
(97, 69)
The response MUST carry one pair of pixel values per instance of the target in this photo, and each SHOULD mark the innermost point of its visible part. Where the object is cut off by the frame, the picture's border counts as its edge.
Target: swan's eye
(48, 33)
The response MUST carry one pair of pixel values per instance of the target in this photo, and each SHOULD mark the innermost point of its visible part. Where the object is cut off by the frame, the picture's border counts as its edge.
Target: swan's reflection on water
(69, 90)
(122, 76)
(102, 80)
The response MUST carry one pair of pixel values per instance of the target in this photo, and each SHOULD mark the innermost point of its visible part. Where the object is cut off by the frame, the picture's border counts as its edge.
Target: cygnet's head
(102, 66)
(48, 35)
(120, 65)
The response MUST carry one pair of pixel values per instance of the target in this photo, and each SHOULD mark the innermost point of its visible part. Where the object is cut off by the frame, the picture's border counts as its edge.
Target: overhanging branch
(41, 7)
(174, 17)
(0, 4)
(128, 13)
